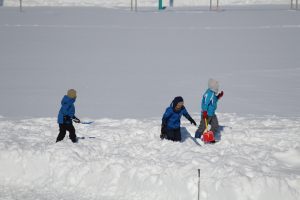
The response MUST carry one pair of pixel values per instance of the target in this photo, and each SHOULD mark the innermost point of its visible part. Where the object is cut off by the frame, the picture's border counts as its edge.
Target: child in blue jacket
(170, 128)
(209, 105)
(66, 115)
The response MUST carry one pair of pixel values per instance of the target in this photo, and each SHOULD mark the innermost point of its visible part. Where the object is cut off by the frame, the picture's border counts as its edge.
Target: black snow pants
(174, 134)
(63, 128)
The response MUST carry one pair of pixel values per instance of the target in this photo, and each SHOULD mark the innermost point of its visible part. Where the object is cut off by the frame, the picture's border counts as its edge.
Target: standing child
(170, 128)
(209, 105)
(66, 115)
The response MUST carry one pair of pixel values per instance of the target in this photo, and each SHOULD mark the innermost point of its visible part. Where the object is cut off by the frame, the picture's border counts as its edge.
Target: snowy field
(127, 64)
(127, 67)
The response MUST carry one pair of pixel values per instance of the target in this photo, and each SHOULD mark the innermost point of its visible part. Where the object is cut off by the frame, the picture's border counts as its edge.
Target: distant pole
(171, 2)
(291, 4)
(296, 4)
(198, 184)
(21, 7)
(159, 4)
(135, 6)
(214, 7)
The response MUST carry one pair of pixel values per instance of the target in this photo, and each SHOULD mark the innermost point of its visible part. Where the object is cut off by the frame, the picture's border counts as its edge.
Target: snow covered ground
(126, 64)
(256, 159)
(127, 67)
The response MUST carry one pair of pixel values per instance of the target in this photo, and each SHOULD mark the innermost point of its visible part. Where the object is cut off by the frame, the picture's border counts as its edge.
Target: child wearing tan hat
(66, 116)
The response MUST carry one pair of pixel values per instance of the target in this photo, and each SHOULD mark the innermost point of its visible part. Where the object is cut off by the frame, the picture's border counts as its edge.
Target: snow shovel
(208, 136)
(89, 122)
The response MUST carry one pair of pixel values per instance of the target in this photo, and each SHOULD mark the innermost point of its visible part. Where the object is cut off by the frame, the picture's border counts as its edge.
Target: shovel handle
(206, 125)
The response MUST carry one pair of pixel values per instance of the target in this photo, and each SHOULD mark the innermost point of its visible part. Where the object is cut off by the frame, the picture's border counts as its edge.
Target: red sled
(208, 137)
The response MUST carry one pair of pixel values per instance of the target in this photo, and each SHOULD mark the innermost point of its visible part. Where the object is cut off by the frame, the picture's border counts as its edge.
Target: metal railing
(134, 5)
(214, 5)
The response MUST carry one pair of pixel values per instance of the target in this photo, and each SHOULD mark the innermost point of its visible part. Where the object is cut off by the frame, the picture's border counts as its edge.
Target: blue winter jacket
(209, 102)
(172, 118)
(67, 109)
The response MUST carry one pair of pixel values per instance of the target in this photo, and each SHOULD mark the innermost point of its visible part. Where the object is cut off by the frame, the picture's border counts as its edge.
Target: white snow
(256, 159)
(127, 67)
(126, 64)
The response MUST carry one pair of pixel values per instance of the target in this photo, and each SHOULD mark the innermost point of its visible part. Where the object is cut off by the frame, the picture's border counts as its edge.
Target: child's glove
(192, 121)
(204, 114)
(76, 120)
(220, 95)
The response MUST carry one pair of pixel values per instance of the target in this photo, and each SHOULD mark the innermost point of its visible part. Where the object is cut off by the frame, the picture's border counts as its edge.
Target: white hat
(213, 85)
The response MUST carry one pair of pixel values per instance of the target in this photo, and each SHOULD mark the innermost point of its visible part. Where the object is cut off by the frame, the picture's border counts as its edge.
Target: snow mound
(257, 158)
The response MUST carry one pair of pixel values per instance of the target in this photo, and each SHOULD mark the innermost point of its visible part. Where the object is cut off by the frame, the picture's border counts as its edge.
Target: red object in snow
(208, 137)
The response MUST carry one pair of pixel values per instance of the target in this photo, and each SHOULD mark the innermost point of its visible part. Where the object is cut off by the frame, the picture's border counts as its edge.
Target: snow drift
(257, 158)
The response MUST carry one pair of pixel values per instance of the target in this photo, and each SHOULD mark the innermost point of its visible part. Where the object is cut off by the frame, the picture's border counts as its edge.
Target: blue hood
(67, 100)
